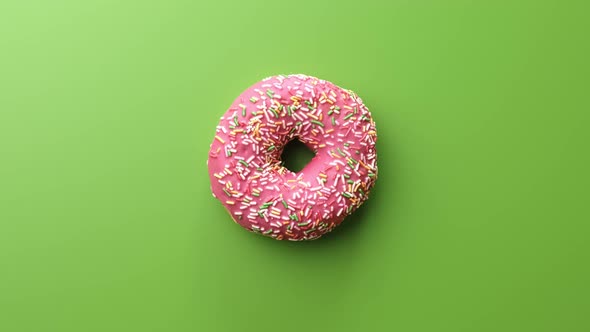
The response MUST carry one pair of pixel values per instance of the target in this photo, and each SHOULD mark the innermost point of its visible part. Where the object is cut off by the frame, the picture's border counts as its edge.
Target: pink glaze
(265, 197)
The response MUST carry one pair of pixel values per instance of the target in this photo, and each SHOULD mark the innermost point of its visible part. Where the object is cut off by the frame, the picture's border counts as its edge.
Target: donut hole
(296, 155)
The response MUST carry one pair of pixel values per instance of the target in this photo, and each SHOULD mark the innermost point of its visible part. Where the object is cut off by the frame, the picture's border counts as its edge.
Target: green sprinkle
(275, 113)
(333, 121)
(228, 153)
(299, 123)
(345, 194)
(285, 204)
(290, 110)
(340, 152)
(346, 176)
(362, 192)
(350, 181)
(236, 121)
(265, 205)
(309, 231)
(253, 99)
(269, 93)
(349, 209)
(330, 112)
(294, 217)
(371, 175)
(346, 144)
(259, 169)
(244, 111)
(317, 123)
(244, 163)
(255, 194)
(348, 116)
(357, 152)
(226, 192)
(254, 113)
(268, 232)
(353, 160)
(260, 214)
(303, 223)
(355, 110)
(270, 148)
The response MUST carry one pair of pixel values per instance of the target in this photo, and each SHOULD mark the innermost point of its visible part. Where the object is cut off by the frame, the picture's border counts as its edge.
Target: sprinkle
(219, 139)
(253, 99)
(270, 148)
(269, 93)
(226, 192)
(345, 194)
(285, 204)
(244, 163)
(333, 121)
(317, 123)
(348, 116)
(341, 153)
(230, 202)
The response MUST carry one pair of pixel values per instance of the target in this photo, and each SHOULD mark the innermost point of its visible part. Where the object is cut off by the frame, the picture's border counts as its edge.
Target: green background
(478, 222)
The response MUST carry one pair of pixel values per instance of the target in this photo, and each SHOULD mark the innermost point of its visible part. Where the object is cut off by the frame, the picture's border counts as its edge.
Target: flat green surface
(479, 221)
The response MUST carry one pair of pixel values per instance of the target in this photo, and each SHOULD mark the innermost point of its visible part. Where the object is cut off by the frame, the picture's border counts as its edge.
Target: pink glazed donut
(245, 157)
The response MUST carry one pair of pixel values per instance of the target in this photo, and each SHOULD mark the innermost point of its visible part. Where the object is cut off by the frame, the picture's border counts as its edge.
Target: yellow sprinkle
(230, 202)
(312, 116)
(217, 176)
(347, 107)
(322, 145)
(219, 139)
(329, 130)
(228, 171)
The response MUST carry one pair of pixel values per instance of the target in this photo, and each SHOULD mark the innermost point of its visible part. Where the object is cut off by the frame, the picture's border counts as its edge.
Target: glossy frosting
(245, 167)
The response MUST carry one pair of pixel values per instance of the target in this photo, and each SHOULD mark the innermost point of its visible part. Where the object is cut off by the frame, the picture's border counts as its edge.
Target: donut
(245, 167)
